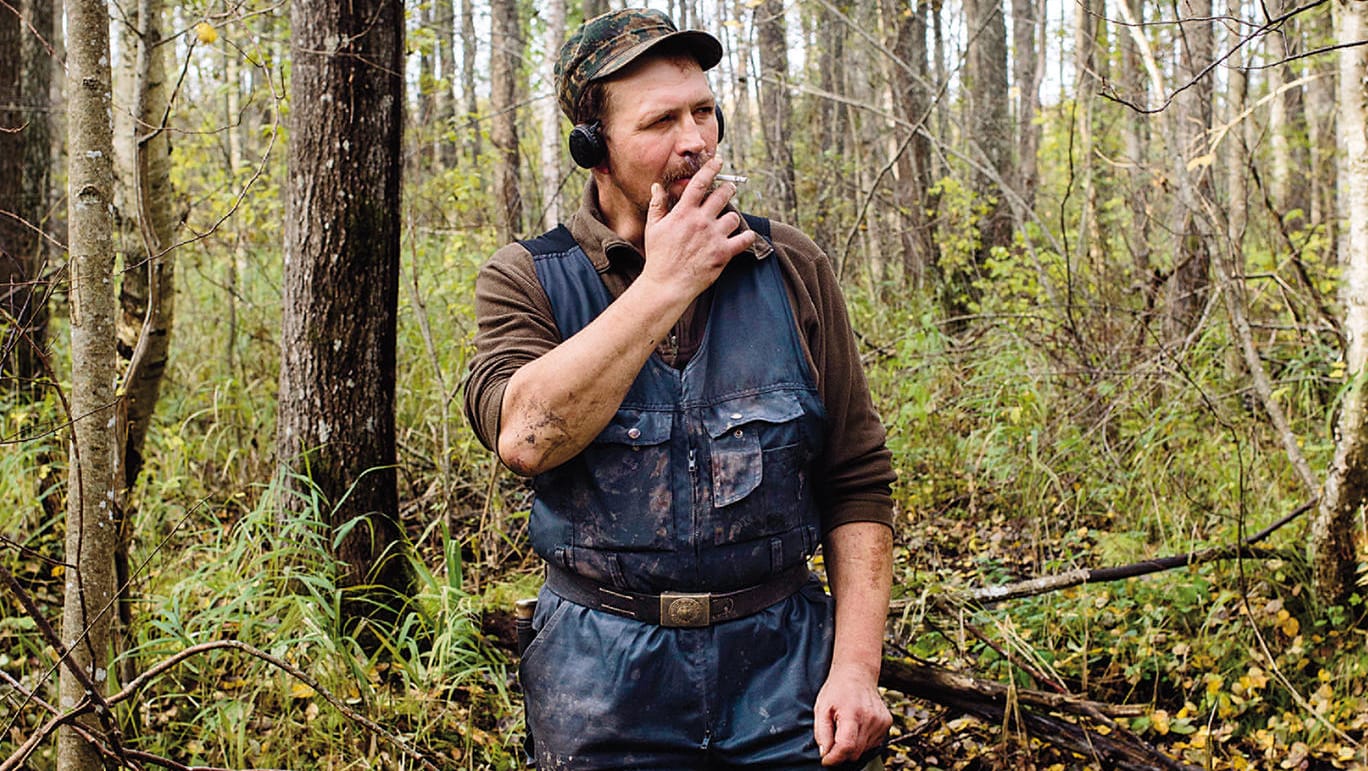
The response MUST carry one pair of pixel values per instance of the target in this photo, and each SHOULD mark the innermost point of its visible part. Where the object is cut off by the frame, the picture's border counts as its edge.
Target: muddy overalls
(680, 627)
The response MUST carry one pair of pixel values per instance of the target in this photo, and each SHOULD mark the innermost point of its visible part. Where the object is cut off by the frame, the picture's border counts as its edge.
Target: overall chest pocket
(759, 464)
(630, 504)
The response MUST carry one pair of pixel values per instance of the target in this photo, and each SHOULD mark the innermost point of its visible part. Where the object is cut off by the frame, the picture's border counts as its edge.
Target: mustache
(687, 168)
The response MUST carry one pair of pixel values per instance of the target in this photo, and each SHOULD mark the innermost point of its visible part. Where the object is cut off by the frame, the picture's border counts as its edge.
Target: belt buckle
(679, 609)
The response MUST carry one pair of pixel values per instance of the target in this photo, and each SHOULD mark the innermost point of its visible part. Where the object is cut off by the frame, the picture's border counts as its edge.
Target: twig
(1058, 581)
(370, 725)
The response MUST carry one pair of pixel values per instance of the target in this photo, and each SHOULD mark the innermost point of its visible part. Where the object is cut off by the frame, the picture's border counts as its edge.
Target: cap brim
(704, 47)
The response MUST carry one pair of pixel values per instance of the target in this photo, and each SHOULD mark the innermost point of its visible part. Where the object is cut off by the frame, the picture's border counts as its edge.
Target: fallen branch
(1039, 711)
(1053, 583)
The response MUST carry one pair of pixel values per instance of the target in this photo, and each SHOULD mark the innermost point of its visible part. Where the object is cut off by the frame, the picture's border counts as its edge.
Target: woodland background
(1105, 259)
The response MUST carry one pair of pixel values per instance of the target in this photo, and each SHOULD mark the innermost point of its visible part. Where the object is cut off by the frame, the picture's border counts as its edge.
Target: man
(687, 396)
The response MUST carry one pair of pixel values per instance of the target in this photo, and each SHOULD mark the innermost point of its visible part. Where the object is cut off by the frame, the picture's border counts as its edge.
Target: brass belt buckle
(685, 610)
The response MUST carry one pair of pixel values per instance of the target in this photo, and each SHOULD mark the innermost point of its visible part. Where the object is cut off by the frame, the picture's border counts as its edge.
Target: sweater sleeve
(516, 326)
(855, 472)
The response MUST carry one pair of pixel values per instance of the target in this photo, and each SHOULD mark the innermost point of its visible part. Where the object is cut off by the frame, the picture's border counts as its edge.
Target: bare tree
(1346, 485)
(775, 107)
(444, 26)
(912, 101)
(1028, 26)
(505, 57)
(1189, 124)
(335, 428)
(549, 114)
(469, 49)
(87, 607)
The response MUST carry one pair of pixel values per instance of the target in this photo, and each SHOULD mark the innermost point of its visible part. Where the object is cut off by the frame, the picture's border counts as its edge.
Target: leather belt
(676, 609)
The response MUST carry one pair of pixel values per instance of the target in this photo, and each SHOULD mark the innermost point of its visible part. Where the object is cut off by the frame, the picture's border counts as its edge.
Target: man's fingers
(656, 209)
(823, 730)
(847, 745)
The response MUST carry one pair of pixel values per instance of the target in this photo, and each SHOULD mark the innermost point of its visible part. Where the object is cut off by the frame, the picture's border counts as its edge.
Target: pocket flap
(770, 407)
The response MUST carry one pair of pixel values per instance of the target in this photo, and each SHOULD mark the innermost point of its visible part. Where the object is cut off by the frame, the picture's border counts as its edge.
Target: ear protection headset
(589, 149)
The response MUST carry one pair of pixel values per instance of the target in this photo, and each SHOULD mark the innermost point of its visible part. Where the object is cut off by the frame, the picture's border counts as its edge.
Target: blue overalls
(700, 483)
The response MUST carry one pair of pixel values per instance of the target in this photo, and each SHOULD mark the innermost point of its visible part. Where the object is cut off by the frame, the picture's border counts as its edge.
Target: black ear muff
(587, 147)
(721, 124)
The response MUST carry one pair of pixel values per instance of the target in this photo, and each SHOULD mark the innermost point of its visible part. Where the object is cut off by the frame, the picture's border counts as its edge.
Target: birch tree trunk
(341, 285)
(775, 108)
(1333, 552)
(505, 55)
(549, 113)
(740, 108)
(90, 539)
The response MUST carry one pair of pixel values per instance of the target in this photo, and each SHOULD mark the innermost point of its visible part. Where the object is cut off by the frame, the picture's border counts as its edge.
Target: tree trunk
(1028, 23)
(772, 39)
(1333, 552)
(445, 29)
(912, 101)
(989, 130)
(147, 296)
(831, 131)
(740, 108)
(505, 57)
(1087, 59)
(337, 376)
(549, 113)
(1189, 124)
(474, 147)
(594, 8)
(1320, 120)
(91, 487)
(24, 290)
(430, 140)
(1135, 138)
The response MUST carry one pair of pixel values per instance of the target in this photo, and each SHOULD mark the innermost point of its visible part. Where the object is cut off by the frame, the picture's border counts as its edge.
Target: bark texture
(90, 537)
(912, 100)
(776, 108)
(550, 118)
(35, 198)
(337, 376)
(505, 57)
(1333, 552)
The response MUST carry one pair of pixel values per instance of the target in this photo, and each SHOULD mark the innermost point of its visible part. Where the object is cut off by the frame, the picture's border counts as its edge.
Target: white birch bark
(1332, 533)
(90, 538)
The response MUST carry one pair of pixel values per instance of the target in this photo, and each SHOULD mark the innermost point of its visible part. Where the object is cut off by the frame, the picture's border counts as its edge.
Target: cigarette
(735, 179)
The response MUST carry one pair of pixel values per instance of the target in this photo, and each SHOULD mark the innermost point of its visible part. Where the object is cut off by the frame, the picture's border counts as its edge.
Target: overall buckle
(678, 609)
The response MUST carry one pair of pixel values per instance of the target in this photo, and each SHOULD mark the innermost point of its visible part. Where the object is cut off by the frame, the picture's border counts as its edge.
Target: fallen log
(1042, 714)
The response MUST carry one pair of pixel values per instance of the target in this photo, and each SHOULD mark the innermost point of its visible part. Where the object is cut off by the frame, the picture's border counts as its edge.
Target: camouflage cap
(605, 44)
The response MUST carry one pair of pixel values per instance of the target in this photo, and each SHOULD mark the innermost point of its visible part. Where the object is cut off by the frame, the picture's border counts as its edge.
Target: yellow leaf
(206, 32)
(1160, 721)
(1289, 626)
(1200, 161)
(302, 690)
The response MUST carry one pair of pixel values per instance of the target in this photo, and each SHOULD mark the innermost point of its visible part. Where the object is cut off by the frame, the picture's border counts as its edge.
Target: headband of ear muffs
(588, 148)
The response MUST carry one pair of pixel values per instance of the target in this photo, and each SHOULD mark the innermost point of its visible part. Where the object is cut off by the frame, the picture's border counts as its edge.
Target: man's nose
(691, 136)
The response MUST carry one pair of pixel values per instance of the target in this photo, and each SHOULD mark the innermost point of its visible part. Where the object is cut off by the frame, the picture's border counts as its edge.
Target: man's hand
(689, 244)
(850, 718)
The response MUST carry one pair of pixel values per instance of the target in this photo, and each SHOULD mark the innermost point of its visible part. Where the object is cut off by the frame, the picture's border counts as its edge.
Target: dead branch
(1040, 712)
(1053, 583)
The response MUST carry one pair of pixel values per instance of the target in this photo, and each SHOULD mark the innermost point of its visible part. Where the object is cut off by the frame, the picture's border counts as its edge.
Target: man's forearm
(554, 406)
(859, 563)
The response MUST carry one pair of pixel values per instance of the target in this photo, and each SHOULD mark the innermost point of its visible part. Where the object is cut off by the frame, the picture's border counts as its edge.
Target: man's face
(661, 125)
